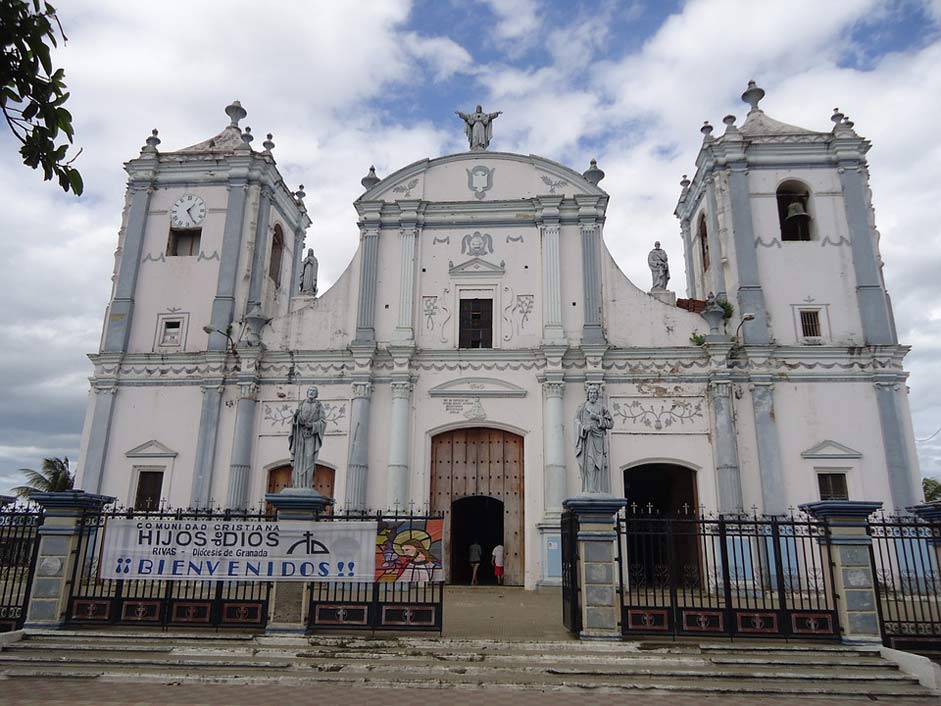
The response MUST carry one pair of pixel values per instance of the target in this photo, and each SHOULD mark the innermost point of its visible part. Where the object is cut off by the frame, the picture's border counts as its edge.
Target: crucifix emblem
(480, 180)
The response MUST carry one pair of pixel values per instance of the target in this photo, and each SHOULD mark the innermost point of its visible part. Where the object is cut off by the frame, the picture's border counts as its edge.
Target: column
(58, 552)
(241, 463)
(96, 453)
(751, 298)
(717, 276)
(257, 278)
(298, 258)
(590, 228)
(206, 444)
(358, 467)
(728, 472)
(223, 304)
(554, 439)
(397, 491)
(118, 325)
(870, 293)
(597, 565)
(852, 582)
(549, 231)
(289, 599)
(773, 495)
(368, 272)
(894, 435)
(404, 328)
(688, 259)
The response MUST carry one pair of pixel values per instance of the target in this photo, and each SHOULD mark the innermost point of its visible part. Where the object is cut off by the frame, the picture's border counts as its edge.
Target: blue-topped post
(597, 564)
(288, 601)
(851, 582)
(58, 553)
(931, 513)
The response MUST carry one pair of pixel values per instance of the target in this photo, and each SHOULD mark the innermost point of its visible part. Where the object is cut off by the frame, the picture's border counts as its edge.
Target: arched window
(794, 211)
(277, 253)
(703, 235)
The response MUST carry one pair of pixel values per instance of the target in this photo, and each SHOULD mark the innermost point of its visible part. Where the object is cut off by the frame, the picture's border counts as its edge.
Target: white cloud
(518, 24)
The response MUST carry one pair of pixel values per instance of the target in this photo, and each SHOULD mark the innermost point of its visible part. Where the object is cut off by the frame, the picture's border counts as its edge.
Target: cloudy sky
(343, 85)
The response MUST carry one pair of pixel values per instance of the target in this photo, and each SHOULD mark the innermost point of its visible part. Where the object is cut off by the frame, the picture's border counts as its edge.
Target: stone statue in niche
(659, 268)
(592, 422)
(478, 126)
(309, 274)
(306, 438)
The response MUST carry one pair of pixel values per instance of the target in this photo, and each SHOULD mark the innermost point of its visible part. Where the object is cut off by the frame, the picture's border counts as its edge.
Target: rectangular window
(476, 321)
(832, 486)
(183, 243)
(149, 487)
(810, 323)
(171, 333)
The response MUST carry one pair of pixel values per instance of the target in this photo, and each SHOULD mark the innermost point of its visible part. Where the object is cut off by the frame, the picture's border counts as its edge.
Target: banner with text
(238, 550)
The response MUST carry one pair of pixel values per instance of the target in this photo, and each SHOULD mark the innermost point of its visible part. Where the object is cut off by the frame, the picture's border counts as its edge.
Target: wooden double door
(480, 462)
(280, 478)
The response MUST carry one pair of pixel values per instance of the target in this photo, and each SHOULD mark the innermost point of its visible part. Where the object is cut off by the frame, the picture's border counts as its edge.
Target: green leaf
(75, 179)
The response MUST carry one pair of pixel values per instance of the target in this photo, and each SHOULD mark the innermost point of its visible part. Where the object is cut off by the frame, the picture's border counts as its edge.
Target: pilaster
(398, 491)
(773, 495)
(357, 469)
(717, 276)
(96, 453)
(223, 305)
(894, 434)
(590, 219)
(728, 470)
(751, 298)
(242, 442)
(408, 234)
(261, 249)
(369, 271)
(547, 218)
(206, 444)
(688, 259)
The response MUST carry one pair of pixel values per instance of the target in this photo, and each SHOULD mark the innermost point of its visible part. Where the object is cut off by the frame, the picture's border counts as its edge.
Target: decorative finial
(236, 112)
(753, 95)
(299, 194)
(849, 123)
(685, 182)
(268, 144)
(247, 136)
(152, 141)
(729, 121)
(837, 116)
(593, 175)
(706, 131)
(370, 180)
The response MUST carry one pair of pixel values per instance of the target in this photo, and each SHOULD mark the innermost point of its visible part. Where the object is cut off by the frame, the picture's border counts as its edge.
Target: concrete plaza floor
(503, 613)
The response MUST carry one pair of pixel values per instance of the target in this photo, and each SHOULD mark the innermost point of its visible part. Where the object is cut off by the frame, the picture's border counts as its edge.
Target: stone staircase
(742, 667)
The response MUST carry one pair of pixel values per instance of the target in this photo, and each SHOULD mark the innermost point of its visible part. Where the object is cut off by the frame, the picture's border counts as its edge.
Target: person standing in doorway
(497, 561)
(474, 553)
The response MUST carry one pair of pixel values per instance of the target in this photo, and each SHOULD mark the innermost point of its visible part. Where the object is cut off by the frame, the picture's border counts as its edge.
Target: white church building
(453, 352)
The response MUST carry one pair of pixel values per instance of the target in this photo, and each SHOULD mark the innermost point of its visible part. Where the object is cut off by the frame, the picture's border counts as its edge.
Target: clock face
(188, 212)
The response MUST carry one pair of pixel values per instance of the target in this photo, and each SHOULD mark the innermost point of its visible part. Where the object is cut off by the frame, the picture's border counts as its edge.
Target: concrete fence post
(597, 564)
(288, 599)
(853, 584)
(58, 553)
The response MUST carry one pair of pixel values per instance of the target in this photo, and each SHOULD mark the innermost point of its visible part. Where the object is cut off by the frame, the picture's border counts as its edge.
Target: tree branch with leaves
(55, 477)
(32, 92)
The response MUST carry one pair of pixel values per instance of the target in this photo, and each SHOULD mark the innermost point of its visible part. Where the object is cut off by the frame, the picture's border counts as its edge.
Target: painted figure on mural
(592, 422)
(478, 126)
(306, 439)
(659, 267)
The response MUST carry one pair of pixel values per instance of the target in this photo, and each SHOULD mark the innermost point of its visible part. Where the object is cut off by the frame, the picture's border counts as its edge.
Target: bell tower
(778, 223)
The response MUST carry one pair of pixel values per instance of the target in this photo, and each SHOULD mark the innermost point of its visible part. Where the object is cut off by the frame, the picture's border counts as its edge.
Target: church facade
(451, 356)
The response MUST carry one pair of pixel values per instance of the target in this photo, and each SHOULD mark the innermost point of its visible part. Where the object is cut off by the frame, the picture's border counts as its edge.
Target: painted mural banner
(245, 550)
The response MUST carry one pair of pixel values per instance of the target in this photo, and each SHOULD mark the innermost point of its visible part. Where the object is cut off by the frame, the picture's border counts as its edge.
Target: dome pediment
(480, 177)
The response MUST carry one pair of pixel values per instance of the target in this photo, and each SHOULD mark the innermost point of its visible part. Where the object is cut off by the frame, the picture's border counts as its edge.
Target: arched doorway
(279, 478)
(661, 488)
(475, 518)
(655, 549)
(479, 462)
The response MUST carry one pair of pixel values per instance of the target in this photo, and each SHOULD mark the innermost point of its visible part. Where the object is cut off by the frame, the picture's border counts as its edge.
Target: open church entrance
(477, 484)
(658, 490)
(477, 518)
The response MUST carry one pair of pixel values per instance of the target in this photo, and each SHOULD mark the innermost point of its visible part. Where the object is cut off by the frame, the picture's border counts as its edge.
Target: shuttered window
(149, 487)
(810, 323)
(476, 320)
(833, 486)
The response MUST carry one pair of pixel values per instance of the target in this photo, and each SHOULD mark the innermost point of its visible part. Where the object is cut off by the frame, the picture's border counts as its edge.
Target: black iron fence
(408, 589)
(906, 564)
(101, 601)
(731, 576)
(19, 548)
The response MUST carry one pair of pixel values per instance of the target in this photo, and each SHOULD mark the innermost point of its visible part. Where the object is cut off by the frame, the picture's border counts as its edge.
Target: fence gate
(19, 547)
(732, 576)
(906, 564)
(571, 601)
(96, 601)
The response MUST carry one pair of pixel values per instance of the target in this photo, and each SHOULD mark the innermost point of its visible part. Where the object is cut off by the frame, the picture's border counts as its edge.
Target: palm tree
(53, 478)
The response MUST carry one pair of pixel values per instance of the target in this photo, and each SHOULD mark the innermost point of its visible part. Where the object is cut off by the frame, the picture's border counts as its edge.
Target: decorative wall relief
(406, 189)
(213, 256)
(445, 314)
(477, 244)
(446, 239)
(480, 180)
(514, 239)
(516, 313)
(277, 416)
(659, 415)
(772, 242)
(553, 185)
(429, 307)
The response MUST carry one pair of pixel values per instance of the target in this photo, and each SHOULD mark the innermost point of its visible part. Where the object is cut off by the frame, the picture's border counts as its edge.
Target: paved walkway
(503, 613)
(81, 692)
